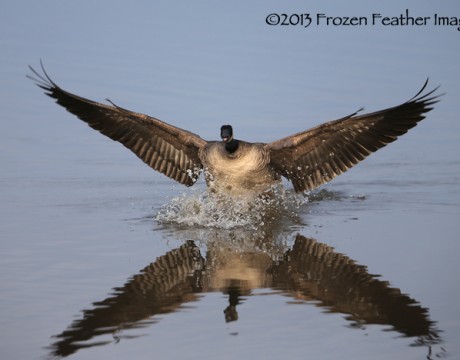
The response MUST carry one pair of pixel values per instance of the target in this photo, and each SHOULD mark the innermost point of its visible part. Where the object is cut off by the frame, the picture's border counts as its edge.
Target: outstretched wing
(313, 157)
(165, 148)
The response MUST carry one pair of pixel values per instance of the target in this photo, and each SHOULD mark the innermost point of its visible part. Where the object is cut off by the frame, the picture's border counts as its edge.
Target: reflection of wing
(313, 271)
(160, 288)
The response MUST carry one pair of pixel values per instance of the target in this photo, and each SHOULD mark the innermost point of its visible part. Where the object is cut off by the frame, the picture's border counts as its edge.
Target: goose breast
(247, 169)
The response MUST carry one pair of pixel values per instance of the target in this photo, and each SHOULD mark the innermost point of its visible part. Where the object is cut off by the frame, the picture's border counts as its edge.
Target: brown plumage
(308, 159)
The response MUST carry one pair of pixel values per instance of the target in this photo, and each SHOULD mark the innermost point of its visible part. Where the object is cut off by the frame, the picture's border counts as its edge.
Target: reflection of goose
(160, 288)
(308, 159)
(309, 271)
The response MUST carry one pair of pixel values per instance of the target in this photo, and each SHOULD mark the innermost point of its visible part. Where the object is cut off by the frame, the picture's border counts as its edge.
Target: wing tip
(427, 98)
(42, 80)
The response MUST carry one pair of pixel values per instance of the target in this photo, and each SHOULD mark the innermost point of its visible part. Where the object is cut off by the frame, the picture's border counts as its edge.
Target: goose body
(308, 159)
(245, 170)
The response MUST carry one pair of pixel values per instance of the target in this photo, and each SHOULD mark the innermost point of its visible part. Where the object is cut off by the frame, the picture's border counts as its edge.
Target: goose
(307, 159)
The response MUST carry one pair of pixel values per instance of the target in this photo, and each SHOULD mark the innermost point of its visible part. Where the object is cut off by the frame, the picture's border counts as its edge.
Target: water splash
(213, 211)
(325, 194)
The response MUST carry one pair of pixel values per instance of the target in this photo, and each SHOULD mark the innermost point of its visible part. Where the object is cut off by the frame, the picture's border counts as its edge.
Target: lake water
(365, 267)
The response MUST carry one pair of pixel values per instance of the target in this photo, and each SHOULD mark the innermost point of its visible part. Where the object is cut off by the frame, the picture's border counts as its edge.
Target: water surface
(365, 267)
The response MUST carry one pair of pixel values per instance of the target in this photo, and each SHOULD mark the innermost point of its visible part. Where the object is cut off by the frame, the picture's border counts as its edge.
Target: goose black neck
(232, 146)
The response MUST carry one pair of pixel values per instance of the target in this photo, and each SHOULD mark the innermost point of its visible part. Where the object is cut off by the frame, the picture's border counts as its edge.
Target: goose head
(226, 134)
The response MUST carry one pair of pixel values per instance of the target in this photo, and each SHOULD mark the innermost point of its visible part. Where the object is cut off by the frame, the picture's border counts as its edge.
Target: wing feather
(165, 148)
(313, 157)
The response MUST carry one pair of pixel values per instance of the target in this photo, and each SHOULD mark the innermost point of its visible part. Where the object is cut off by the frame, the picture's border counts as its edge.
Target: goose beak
(226, 136)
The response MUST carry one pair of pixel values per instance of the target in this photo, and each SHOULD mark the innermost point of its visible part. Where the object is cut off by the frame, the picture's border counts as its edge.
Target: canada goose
(308, 159)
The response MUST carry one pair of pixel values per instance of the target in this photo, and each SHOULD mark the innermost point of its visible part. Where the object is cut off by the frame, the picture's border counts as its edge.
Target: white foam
(207, 210)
